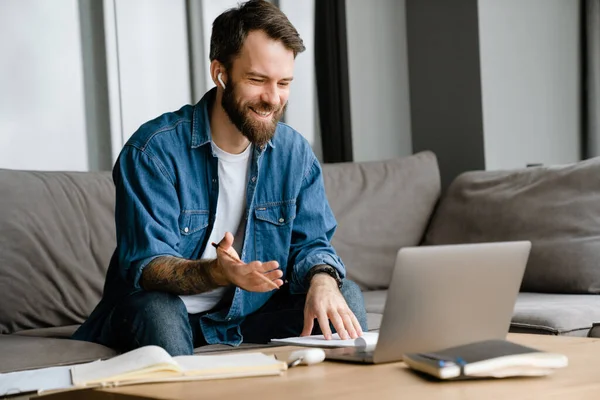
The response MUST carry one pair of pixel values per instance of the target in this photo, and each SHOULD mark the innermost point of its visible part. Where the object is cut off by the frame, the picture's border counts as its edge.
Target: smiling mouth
(263, 114)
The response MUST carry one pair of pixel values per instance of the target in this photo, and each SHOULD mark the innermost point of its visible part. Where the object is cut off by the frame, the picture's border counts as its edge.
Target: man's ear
(220, 79)
(217, 72)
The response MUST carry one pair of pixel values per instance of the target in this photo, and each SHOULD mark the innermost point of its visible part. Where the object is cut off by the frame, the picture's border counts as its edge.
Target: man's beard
(257, 132)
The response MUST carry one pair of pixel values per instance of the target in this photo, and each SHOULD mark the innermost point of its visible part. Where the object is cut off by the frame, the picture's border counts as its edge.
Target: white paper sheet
(35, 380)
(368, 340)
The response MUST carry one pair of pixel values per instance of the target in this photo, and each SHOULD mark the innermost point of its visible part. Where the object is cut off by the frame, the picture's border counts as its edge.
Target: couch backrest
(380, 207)
(57, 232)
(557, 208)
(56, 238)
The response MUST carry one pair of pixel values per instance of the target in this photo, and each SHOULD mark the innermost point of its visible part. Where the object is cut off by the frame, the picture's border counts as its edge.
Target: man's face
(257, 87)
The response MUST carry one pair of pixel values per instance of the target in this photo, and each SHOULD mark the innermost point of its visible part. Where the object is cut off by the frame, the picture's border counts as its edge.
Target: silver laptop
(444, 296)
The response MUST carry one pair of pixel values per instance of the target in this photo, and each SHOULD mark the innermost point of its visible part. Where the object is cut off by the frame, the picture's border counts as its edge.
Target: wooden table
(333, 380)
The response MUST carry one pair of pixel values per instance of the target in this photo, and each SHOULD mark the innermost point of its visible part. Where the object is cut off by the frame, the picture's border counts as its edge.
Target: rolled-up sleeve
(146, 212)
(313, 229)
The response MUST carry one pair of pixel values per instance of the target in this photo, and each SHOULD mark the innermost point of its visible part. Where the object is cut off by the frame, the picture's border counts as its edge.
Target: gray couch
(57, 235)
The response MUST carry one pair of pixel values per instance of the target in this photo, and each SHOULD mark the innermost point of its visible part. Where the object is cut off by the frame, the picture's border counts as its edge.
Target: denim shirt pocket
(276, 215)
(273, 231)
(192, 228)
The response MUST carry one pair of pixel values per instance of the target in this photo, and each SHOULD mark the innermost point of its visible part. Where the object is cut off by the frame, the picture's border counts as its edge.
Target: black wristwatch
(324, 269)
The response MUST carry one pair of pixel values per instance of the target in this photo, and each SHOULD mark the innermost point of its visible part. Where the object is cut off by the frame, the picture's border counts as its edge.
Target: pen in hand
(257, 273)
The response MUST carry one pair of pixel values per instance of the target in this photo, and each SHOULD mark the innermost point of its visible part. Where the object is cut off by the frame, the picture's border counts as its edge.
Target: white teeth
(262, 114)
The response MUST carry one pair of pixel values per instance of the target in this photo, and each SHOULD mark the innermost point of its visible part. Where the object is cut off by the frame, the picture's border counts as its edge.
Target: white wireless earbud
(220, 80)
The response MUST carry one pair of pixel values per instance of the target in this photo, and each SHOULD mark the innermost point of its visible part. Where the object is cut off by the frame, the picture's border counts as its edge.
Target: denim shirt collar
(201, 134)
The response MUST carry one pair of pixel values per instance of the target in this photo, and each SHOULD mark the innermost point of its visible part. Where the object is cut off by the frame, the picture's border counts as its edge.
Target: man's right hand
(229, 269)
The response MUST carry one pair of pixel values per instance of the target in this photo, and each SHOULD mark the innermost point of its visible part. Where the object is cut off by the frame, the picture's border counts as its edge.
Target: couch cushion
(375, 300)
(217, 348)
(57, 235)
(556, 314)
(541, 313)
(374, 303)
(22, 352)
(380, 207)
(374, 321)
(557, 208)
(60, 332)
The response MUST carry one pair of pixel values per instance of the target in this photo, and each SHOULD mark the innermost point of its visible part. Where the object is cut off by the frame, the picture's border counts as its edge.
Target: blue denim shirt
(166, 197)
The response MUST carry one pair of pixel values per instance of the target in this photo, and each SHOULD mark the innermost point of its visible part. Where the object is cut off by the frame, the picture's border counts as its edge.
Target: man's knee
(156, 306)
(161, 313)
(354, 298)
(153, 318)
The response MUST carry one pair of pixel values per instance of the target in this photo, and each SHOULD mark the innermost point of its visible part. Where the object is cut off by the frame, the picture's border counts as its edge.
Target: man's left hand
(325, 302)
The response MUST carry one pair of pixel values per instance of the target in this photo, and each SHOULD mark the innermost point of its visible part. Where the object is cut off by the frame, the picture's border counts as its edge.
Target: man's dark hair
(231, 28)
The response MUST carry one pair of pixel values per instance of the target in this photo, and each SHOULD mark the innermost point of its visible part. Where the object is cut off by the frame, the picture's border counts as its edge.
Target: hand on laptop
(325, 302)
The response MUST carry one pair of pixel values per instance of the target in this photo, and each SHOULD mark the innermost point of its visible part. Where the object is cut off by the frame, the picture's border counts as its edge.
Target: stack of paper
(367, 341)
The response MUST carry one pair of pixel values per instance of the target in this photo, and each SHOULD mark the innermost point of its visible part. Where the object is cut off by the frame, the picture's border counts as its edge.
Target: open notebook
(154, 364)
(367, 341)
(147, 364)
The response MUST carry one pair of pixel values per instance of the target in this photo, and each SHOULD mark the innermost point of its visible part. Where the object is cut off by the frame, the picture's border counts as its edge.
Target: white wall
(42, 116)
(379, 86)
(302, 102)
(42, 98)
(147, 48)
(530, 76)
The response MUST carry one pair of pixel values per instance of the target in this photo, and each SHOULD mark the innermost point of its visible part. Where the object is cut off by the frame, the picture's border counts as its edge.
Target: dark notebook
(486, 359)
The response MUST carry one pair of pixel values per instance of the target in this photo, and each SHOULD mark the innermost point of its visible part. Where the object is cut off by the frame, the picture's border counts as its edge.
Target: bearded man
(223, 228)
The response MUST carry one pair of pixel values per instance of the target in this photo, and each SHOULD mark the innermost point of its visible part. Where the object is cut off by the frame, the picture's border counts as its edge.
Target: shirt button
(253, 179)
(186, 229)
(281, 220)
(214, 180)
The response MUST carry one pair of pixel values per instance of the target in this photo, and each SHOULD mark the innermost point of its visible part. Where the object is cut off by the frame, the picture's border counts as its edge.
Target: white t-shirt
(231, 205)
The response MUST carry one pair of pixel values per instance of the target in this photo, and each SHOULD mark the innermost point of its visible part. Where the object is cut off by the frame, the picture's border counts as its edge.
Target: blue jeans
(161, 319)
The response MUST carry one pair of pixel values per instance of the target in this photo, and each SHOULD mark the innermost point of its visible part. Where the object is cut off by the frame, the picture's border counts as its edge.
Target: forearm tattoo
(178, 276)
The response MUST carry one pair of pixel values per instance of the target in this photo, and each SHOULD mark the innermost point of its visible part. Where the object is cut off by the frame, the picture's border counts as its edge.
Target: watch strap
(324, 269)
